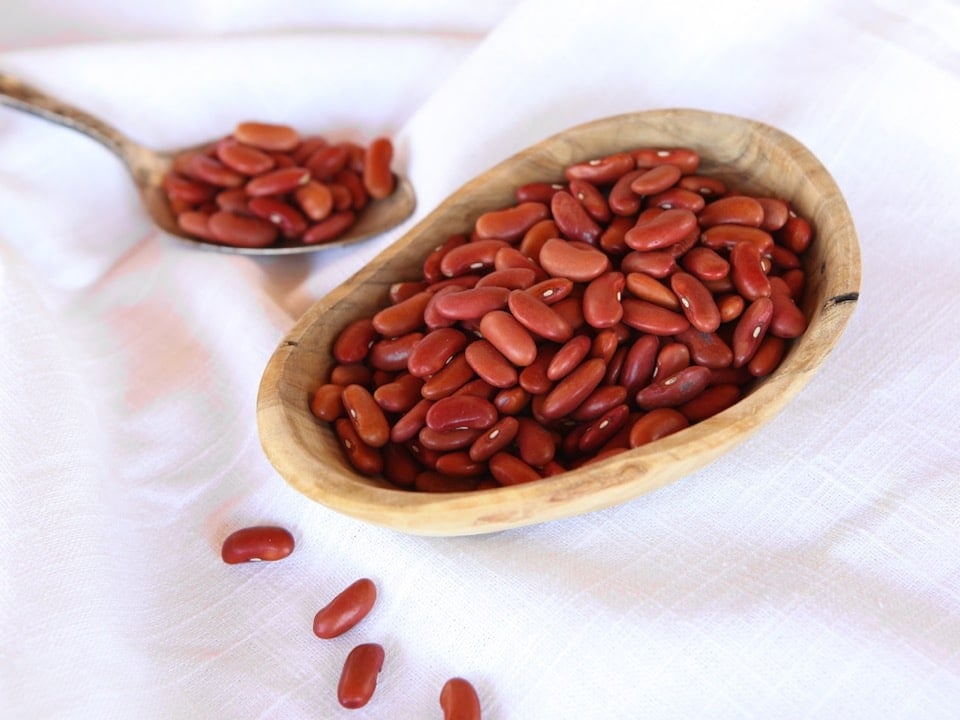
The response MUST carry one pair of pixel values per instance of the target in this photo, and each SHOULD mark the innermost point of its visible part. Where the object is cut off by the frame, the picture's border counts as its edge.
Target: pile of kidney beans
(264, 182)
(624, 303)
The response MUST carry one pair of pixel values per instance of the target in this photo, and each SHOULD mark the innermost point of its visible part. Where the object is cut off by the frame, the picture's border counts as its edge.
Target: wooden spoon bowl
(147, 168)
(748, 155)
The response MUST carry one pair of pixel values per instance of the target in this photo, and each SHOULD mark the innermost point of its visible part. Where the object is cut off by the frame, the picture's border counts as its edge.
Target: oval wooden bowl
(749, 155)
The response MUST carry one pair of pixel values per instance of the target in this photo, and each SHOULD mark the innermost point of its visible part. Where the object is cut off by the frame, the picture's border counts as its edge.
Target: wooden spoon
(148, 167)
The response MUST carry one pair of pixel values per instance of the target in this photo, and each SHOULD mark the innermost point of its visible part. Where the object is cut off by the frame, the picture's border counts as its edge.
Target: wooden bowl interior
(750, 156)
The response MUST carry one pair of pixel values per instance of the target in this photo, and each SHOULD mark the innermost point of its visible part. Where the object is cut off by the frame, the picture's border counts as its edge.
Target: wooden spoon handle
(20, 95)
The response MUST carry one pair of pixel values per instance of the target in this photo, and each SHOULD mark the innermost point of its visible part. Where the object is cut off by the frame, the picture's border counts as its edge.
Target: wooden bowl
(749, 155)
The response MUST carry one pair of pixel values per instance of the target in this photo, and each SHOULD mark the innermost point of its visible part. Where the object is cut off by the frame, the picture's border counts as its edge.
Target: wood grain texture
(749, 155)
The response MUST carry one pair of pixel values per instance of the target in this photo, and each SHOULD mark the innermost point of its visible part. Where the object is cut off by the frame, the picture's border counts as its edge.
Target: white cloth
(813, 572)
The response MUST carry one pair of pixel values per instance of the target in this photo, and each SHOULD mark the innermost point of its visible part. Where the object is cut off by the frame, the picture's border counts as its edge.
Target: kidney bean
(775, 213)
(476, 256)
(655, 180)
(696, 302)
(671, 359)
(538, 317)
(605, 344)
(399, 394)
(400, 467)
(472, 303)
(378, 179)
(212, 171)
(675, 389)
(601, 300)
(601, 171)
(621, 199)
(444, 441)
(677, 197)
(705, 185)
(666, 228)
(783, 259)
(458, 464)
(512, 400)
(639, 362)
(533, 378)
(788, 320)
(604, 398)
(508, 336)
(365, 459)
(535, 443)
(242, 158)
(538, 192)
(592, 199)
(315, 199)
(358, 679)
(656, 424)
(241, 230)
(724, 237)
(459, 700)
(576, 262)
(196, 223)
(366, 415)
(494, 439)
(326, 403)
(654, 319)
(408, 425)
(655, 263)
(568, 357)
(450, 378)
(747, 272)
(511, 278)
(572, 218)
(552, 290)
(711, 401)
(573, 389)
(750, 330)
(457, 412)
(353, 182)
(353, 342)
(402, 317)
(431, 481)
(508, 469)
(255, 544)
(686, 159)
(346, 609)
(796, 234)
(434, 350)
(598, 432)
(767, 357)
(350, 373)
(278, 182)
(191, 191)
(391, 354)
(512, 223)
(532, 240)
(267, 136)
(731, 210)
(706, 348)
(286, 217)
(705, 263)
(490, 364)
(730, 306)
(330, 228)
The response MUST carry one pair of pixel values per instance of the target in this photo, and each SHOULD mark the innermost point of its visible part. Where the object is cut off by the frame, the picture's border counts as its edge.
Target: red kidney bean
(453, 376)
(696, 302)
(490, 364)
(315, 199)
(267, 136)
(512, 400)
(767, 357)
(354, 341)
(459, 700)
(656, 424)
(458, 464)
(655, 263)
(212, 171)
(241, 230)
(796, 234)
(639, 362)
(654, 319)
(196, 223)
(508, 336)
(601, 171)
(399, 465)
(326, 403)
(345, 610)
(494, 439)
(512, 278)
(648, 288)
(675, 389)
(552, 290)
(706, 348)
(508, 469)
(330, 228)
(601, 300)
(511, 223)
(434, 350)
(411, 422)
(391, 354)
(538, 192)
(278, 182)
(364, 458)
(751, 329)
(731, 209)
(282, 214)
(536, 236)
(730, 306)
(592, 199)
(358, 679)
(578, 262)
(457, 412)
(402, 317)
(711, 401)
(686, 159)
(572, 218)
(350, 373)
(621, 199)
(476, 256)
(378, 179)
(746, 271)
(656, 179)
(775, 213)
(353, 182)
(244, 159)
(366, 415)
(258, 543)
(191, 191)
(724, 237)
(788, 320)
(573, 389)
(568, 357)
(705, 185)
(604, 398)
(666, 228)
(534, 378)
(671, 359)
(400, 394)
(677, 197)
(535, 443)
(538, 317)
(444, 441)
(705, 263)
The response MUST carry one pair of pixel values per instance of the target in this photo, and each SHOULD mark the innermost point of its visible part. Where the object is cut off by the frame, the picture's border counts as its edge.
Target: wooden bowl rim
(602, 483)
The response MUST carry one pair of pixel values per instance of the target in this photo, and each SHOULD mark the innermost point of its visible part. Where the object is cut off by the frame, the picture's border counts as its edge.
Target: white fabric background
(813, 572)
